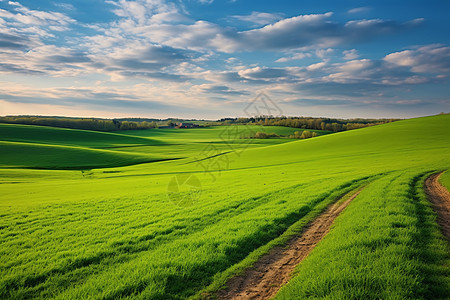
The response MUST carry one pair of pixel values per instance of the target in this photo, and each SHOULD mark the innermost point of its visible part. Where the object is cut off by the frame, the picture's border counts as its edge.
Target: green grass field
(113, 231)
(445, 180)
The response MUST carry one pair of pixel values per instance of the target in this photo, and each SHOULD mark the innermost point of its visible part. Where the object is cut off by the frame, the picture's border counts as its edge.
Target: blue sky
(209, 58)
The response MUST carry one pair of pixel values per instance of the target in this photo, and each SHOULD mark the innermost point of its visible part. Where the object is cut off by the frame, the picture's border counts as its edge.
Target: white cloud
(288, 33)
(350, 54)
(316, 30)
(66, 6)
(426, 59)
(267, 74)
(26, 17)
(217, 89)
(316, 66)
(358, 10)
(322, 53)
(146, 12)
(355, 65)
(297, 56)
(407, 80)
(164, 56)
(260, 18)
(46, 59)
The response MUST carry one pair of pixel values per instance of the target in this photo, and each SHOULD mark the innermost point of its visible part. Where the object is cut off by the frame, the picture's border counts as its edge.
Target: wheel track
(439, 197)
(274, 269)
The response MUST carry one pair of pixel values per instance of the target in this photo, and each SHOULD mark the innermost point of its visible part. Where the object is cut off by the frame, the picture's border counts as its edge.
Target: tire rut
(274, 269)
(439, 197)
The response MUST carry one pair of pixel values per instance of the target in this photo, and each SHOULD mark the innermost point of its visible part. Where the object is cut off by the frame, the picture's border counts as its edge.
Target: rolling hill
(119, 233)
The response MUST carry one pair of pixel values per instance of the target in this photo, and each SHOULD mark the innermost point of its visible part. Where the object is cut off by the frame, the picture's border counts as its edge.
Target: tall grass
(445, 179)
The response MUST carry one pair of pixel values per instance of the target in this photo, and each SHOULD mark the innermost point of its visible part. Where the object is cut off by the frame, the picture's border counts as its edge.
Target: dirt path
(274, 269)
(439, 196)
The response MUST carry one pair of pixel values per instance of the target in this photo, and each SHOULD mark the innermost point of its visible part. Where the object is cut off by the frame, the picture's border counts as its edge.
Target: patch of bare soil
(274, 269)
(439, 197)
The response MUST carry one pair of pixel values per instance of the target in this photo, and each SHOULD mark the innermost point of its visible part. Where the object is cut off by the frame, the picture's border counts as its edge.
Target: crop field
(175, 213)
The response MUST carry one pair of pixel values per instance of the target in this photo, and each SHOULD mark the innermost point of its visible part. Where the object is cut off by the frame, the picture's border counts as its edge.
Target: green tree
(306, 134)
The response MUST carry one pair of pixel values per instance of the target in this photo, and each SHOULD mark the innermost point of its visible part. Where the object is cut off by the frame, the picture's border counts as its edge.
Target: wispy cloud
(259, 18)
(359, 10)
(350, 54)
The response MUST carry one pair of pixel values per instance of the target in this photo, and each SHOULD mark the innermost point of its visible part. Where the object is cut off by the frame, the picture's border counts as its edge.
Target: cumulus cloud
(288, 33)
(355, 65)
(316, 66)
(314, 30)
(427, 59)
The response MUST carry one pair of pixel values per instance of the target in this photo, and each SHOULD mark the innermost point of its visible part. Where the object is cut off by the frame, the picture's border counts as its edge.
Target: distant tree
(306, 134)
(260, 135)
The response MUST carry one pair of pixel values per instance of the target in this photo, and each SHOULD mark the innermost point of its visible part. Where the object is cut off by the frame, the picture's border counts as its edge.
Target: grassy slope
(385, 245)
(117, 234)
(408, 139)
(445, 180)
(214, 132)
(211, 140)
(68, 137)
(26, 146)
(57, 148)
(39, 156)
(406, 273)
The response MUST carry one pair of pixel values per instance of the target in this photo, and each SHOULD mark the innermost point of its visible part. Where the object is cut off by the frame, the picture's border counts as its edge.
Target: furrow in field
(439, 197)
(274, 269)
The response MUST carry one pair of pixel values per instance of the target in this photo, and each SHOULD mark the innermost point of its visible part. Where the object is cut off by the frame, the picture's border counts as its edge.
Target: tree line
(297, 135)
(79, 123)
(327, 124)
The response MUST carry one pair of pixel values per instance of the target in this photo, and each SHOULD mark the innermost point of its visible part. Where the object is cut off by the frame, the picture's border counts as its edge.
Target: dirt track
(274, 269)
(439, 197)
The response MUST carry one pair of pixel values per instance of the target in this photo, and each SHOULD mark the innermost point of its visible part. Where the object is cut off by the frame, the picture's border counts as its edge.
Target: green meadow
(445, 180)
(91, 215)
